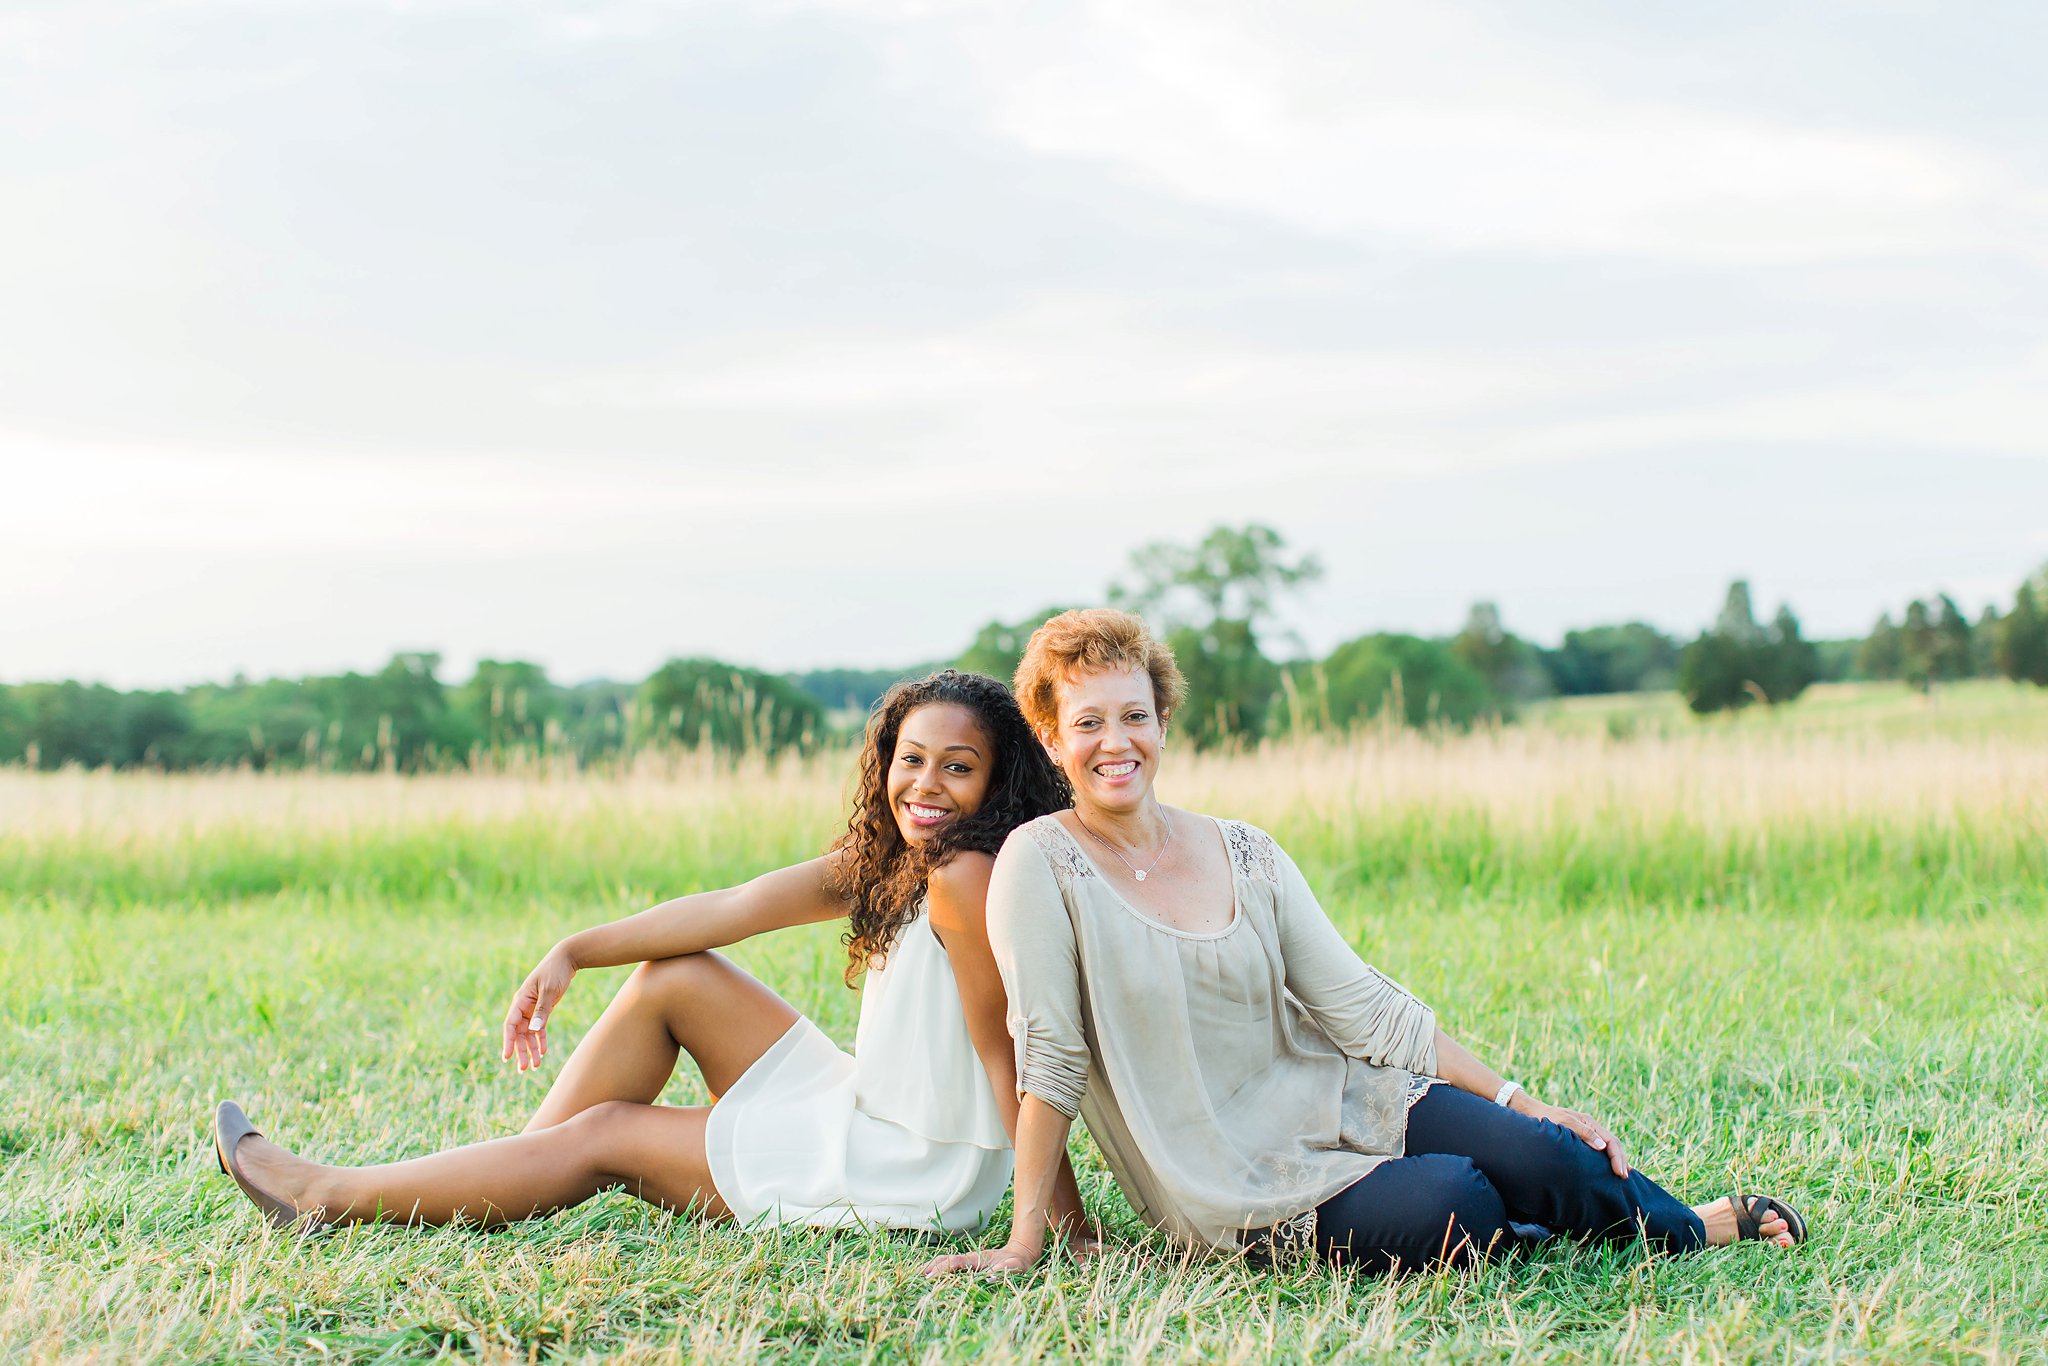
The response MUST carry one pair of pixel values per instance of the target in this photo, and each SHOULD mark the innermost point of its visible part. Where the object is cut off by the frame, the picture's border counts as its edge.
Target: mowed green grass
(1975, 709)
(1847, 1008)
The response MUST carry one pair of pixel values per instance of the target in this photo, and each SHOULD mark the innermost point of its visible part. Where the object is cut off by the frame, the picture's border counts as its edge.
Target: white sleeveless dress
(904, 1133)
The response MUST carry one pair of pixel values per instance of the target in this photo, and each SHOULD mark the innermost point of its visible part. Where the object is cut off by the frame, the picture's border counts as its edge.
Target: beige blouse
(1234, 1080)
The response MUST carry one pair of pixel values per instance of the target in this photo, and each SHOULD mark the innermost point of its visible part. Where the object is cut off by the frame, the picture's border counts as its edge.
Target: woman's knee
(595, 1137)
(1470, 1219)
(1430, 1210)
(663, 979)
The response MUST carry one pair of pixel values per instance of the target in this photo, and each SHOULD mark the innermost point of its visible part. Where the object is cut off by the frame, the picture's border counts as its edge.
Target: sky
(820, 332)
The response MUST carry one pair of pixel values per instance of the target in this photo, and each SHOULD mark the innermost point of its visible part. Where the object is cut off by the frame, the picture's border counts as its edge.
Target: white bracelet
(1506, 1092)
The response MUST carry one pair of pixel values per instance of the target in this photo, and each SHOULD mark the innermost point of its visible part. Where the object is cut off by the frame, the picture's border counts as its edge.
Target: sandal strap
(1746, 1225)
(1794, 1224)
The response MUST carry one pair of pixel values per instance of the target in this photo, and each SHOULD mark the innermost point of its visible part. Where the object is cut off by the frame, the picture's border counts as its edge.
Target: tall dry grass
(1516, 776)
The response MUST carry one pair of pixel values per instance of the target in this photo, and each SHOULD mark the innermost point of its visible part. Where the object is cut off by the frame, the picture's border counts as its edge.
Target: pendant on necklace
(1141, 874)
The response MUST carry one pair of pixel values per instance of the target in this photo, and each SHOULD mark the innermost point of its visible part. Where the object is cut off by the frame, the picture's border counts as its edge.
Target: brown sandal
(1752, 1210)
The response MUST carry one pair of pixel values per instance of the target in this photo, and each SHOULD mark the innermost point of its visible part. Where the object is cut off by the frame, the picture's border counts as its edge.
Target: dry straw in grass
(1519, 777)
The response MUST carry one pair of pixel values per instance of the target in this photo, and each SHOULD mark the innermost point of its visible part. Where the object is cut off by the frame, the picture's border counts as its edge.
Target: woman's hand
(1009, 1259)
(1596, 1134)
(526, 1021)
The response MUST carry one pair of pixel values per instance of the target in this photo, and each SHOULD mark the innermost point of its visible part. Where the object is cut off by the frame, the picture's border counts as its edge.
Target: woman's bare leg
(698, 1002)
(653, 1151)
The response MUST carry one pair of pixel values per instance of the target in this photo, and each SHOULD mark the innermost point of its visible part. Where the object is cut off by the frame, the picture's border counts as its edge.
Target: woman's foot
(278, 1170)
(1725, 1227)
(278, 1181)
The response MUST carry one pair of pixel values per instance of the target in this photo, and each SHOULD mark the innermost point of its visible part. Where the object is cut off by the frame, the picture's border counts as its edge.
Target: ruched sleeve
(1032, 936)
(1364, 1012)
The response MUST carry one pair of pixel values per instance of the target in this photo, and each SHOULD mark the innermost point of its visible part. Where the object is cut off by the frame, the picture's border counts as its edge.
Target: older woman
(1252, 1083)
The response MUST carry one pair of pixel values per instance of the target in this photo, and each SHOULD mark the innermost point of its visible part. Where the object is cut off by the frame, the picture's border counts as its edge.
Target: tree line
(1216, 601)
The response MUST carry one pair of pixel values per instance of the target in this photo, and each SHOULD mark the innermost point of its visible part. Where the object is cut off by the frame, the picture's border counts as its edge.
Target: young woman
(909, 1131)
(1250, 1081)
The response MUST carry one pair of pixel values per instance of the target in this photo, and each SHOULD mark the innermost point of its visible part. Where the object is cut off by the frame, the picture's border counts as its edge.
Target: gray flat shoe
(230, 1127)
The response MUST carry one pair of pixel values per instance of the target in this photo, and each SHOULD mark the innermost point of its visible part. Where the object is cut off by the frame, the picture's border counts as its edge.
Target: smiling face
(940, 770)
(1108, 737)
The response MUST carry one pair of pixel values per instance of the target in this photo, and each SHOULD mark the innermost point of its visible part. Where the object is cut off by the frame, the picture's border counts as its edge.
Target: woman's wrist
(1027, 1238)
(571, 951)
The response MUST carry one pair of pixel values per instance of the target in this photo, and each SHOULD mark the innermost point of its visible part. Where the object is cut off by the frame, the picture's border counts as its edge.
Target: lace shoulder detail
(1068, 862)
(1252, 852)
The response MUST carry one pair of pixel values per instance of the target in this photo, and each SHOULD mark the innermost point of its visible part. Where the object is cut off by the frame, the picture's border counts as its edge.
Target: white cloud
(1077, 385)
(1080, 381)
(68, 499)
(2002, 410)
(1077, 354)
(1416, 125)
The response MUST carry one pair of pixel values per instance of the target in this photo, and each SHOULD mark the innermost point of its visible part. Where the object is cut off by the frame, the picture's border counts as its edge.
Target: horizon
(452, 672)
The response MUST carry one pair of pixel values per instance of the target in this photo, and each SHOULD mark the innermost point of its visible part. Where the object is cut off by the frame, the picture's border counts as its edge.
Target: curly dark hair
(884, 875)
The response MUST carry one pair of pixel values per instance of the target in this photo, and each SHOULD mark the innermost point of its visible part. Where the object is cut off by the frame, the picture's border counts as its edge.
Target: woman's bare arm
(1041, 1150)
(959, 912)
(1457, 1065)
(797, 895)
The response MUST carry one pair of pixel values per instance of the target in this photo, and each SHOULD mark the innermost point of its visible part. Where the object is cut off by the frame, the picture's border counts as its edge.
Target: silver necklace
(1137, 872)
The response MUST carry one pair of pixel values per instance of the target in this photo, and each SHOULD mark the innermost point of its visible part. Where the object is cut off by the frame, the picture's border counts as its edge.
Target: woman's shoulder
(956, 892)
(964, 871)
(1254, 854)
(1042, 834)
(1046, 841)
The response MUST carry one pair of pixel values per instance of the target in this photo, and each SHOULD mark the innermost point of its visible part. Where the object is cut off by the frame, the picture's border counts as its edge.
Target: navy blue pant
(1472, 1171)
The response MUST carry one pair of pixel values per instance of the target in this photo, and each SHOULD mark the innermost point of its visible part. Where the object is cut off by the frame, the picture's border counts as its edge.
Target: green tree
(1790, 662)
(2022, 652)
(1951, 652)
(90, 724)
(1231, 682)
(1836, 659)
(1714, 674)
(595, 718)
(13, 728)
(998, 648)
(243, 724)
(396, 718)
(1737, 621)
(1919, 648)
(1632, 657)
(1231, 574)
(855, 691)
(1738, 662)
(509, 704)
(1215, 600)
(1511, 666)
(726, 708)
(1423, 680)
(1882, 655)
(1984, 637)
(153, 728)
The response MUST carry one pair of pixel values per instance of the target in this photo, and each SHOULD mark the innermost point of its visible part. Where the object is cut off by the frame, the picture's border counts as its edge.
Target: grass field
(1811, 958)
(1873, 712)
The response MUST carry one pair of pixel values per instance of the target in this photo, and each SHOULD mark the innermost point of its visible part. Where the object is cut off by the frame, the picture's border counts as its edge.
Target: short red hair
(1093, 640)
